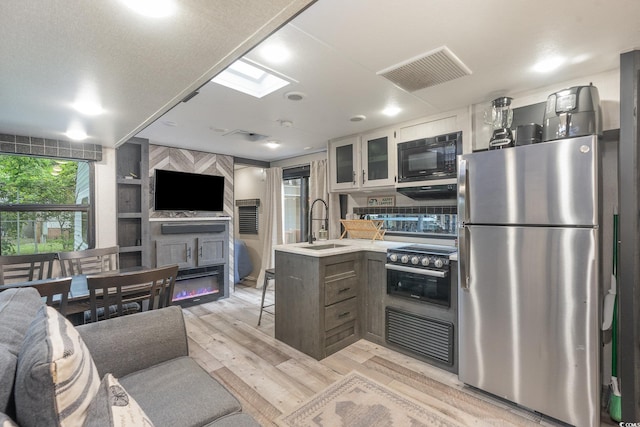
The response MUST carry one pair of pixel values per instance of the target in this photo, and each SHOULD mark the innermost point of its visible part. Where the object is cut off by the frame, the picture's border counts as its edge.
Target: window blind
(248, 216)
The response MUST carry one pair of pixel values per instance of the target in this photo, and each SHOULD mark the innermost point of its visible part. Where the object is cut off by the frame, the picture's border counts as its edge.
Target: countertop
(345, 246)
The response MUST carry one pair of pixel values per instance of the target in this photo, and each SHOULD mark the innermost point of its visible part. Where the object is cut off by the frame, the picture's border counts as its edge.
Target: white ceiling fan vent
(246, 135)
(426, 70)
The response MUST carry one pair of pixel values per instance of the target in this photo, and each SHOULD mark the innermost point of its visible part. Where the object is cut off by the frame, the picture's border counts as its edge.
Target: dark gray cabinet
(326, 303)
(373, 290)
(191, 252)
(317, 302)
(132, 209)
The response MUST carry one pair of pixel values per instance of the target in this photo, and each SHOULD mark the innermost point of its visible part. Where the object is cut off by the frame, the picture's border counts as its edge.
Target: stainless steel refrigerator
(529, 268)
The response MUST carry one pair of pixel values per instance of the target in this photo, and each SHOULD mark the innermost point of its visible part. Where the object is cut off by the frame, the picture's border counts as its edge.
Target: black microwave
(429, 158)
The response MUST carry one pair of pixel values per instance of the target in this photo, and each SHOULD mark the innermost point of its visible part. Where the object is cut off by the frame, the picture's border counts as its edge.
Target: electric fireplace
(190, 290)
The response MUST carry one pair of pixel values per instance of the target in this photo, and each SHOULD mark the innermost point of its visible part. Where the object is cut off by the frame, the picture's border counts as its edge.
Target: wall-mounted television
(184, 191)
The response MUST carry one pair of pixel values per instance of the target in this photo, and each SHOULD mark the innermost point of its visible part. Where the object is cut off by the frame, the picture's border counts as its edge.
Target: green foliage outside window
(29, 189)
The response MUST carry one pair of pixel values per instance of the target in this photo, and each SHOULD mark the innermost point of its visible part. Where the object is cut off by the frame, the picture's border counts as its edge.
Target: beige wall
(105, 185)
(249, 183)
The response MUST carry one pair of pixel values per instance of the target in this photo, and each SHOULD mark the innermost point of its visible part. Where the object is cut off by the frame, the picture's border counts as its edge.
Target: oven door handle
(421, 271)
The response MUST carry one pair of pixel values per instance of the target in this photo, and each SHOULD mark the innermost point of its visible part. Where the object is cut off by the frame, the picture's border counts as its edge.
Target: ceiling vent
(246, 135)
(430, 69)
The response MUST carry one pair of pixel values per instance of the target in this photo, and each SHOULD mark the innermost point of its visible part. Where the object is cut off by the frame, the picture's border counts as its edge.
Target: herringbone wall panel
(176, 159)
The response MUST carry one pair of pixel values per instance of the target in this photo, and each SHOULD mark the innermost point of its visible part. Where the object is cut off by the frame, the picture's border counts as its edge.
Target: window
(45, 205)
(296, 203)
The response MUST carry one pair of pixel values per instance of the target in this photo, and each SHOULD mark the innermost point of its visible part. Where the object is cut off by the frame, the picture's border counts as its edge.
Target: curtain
(273, 230)
(319, 189)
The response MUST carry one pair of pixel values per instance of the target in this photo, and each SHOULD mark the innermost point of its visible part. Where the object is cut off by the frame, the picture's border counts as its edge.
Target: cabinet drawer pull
(343, 290)
(341, 315)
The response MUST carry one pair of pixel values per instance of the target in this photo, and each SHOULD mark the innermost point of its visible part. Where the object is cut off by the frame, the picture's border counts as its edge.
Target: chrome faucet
(326, 218)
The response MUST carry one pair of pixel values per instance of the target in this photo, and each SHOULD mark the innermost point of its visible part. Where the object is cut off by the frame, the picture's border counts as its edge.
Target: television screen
(183, 191)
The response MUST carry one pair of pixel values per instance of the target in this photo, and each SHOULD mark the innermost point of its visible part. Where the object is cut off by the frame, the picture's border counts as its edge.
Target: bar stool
(269, 274)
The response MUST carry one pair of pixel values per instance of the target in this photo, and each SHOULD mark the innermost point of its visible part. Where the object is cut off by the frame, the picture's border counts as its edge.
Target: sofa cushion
(18, 307)
(179, 392)
(234, 420)
(6, 421)
(56, 378)
(114, 407)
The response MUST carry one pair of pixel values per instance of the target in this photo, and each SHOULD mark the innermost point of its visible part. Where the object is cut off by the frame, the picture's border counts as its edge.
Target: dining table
(79, 298)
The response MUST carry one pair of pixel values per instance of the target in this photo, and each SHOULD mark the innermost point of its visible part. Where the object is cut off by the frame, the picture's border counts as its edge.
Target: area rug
(356, 401)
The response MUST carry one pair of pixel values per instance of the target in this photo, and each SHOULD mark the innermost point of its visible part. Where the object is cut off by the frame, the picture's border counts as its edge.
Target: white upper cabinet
(366, 161)
(378, 159)
(344, 164)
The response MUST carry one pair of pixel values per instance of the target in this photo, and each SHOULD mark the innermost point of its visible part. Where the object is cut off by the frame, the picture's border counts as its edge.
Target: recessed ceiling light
(357, 118)
(76, 134)
(307, 148)
(88, 107)
(87, 100)
(272, 144)
(295, 96)
(220, 130)
(169, 123)
(275, 53)
(285, 123)
(152, 8)
(549, 64)
(391, 111)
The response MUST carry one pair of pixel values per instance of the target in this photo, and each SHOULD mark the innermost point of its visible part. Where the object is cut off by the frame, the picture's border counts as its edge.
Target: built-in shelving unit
(132, 182)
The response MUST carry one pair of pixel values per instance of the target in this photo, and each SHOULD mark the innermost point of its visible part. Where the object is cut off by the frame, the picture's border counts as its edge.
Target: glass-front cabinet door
(344, 163)
(378, 159)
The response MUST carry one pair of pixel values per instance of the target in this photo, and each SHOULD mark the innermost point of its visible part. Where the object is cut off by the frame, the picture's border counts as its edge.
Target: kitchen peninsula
(331, 293)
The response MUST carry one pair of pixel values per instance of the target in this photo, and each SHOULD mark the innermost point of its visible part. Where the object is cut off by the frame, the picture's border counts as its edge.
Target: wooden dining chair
(49, 289)
(25, 268)
(111, 295)
(89, 261)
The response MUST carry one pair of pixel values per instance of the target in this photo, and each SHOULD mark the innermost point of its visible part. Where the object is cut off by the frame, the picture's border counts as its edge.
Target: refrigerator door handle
(463, 243)
(463, 246)
(463, 192)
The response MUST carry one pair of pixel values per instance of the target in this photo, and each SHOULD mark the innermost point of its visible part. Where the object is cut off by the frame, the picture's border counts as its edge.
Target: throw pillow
(114, 407)
(17, 309)
(56, 378)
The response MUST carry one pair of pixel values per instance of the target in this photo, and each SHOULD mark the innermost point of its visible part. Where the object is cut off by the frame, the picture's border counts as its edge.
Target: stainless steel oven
(429, 158)
(425, 285)
(421, 304)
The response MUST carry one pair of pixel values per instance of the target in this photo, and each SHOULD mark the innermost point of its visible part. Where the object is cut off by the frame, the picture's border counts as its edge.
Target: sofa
(125, 371)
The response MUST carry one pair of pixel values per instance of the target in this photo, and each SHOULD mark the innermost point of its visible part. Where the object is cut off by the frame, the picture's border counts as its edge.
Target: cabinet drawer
(340, 337)
(342, 312)
(340, 289)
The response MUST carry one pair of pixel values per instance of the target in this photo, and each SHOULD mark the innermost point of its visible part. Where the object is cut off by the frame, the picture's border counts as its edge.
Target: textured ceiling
(142, 68)
(339, 47)
(138, 67)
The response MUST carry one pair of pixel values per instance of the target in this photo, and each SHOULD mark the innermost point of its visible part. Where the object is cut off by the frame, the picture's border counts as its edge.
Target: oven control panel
(420, 256)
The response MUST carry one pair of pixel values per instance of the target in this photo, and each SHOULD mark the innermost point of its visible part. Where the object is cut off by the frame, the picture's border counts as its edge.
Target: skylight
(249, 78)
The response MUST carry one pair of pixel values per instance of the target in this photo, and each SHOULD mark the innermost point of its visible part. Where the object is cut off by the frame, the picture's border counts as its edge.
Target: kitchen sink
(325, 246)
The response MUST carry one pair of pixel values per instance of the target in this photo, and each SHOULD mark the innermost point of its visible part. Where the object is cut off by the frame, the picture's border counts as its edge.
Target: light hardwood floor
(271, 379)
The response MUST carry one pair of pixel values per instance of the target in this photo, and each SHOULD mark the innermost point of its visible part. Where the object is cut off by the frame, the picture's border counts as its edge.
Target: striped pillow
(114, 407)
(5, 421)
(56, 378)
